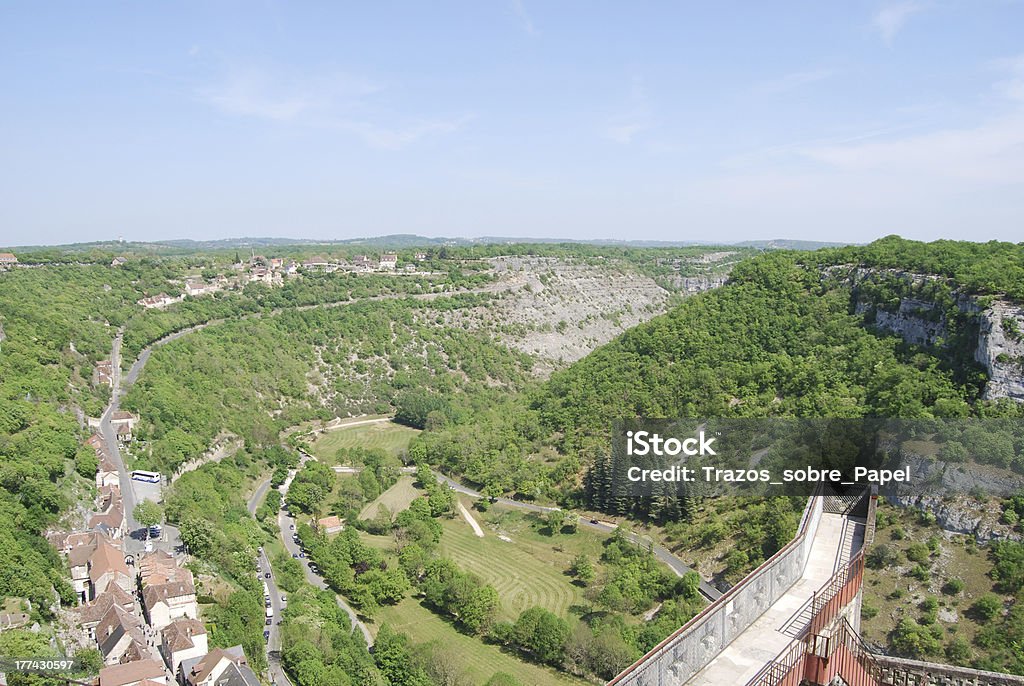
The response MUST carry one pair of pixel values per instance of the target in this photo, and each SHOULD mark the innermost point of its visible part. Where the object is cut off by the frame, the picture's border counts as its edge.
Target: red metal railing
(830, 599)
(820, 659)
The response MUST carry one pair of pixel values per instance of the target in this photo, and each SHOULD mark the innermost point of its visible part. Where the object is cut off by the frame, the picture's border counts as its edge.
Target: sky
(681, 121)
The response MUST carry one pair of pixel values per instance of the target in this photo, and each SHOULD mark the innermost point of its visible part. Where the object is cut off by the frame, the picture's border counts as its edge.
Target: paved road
(257, 497)
(135, 541)
(286, 526)
(277, 674)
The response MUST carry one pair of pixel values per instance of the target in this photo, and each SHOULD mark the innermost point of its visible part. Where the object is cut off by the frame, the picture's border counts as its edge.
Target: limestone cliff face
(1000, 340)
(1001, 350)
(914, 321)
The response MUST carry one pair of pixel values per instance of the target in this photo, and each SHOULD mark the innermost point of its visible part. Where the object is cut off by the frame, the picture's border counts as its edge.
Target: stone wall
(895, 671)
(673, 661)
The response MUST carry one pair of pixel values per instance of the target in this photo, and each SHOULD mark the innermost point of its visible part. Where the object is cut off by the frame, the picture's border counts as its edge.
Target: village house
(330, 525)
(362, 263)
(146, 672)
(168, 591)
(103, 373)
(183, 639)
(117, 261)
(158, 301)
(90, 614)
(319, 264)
(420, 256)
(110, 522)
(79, 548)
(106, 567)
(7, 260)
(120, 637)
(124, 434)
(106, 472)
(123, 423)
(123, 417)
(261, 275)
(198, 287)
(165, 602)
(276, 263)
(388, 261)
(221, 667)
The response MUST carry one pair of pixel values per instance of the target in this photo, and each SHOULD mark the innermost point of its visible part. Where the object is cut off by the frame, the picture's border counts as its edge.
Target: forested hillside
(783, 338)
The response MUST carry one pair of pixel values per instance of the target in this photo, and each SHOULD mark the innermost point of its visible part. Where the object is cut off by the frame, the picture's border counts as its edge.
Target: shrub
(953, 586)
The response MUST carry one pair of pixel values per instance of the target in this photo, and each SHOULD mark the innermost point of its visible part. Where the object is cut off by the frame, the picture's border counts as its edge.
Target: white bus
(148, 477)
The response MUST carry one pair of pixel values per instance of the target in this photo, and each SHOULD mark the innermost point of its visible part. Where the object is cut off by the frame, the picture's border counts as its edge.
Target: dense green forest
(259, 376)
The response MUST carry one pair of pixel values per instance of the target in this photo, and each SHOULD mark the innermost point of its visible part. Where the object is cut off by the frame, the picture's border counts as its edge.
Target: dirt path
(471, 521)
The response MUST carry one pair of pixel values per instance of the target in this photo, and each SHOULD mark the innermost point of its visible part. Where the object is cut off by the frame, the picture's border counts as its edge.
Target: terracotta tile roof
(202, 669)
(178, 634)
(107, 558)
(93, 612)
(158, 568)
(151, 595)
(132, 672)
(332, 522)
(113, 627)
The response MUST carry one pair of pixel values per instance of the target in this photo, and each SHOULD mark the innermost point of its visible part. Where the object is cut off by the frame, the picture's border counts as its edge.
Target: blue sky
(657, 120)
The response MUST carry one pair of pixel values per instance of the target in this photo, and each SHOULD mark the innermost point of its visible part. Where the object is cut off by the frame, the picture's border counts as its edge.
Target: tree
(582, 569)
(479, 610)
(148, 513)
(555, 519)
(542, 634)
(197, 535)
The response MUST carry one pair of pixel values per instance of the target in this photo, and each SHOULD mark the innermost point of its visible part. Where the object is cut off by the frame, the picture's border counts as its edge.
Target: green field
(478, 660)
(396, 498)
(530, 569)
(388, 436)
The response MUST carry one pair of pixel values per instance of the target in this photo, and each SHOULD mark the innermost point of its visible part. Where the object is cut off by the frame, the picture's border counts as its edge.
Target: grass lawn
(478, 660)
(396, 498)
(529, 569)
(391, 437)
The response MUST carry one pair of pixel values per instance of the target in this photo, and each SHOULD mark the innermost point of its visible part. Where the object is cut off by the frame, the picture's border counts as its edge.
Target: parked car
(270, 620)
(266, 575)
(266, 635)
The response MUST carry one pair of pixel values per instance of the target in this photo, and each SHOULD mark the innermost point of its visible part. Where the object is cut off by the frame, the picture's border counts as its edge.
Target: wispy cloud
(519, 9)
(338, 102)
(793, 81)
(893, 17)
(395, 138)
(1011, 87)
(635, 117)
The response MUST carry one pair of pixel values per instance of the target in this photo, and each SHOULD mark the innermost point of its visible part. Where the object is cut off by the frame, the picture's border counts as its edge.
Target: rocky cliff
(1001, 350)
(998, 345)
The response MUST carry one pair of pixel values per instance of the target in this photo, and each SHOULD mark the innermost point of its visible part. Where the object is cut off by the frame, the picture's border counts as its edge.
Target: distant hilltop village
(272, 271)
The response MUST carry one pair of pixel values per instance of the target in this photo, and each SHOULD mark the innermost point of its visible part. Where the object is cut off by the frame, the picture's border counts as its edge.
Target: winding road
(277, 674)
